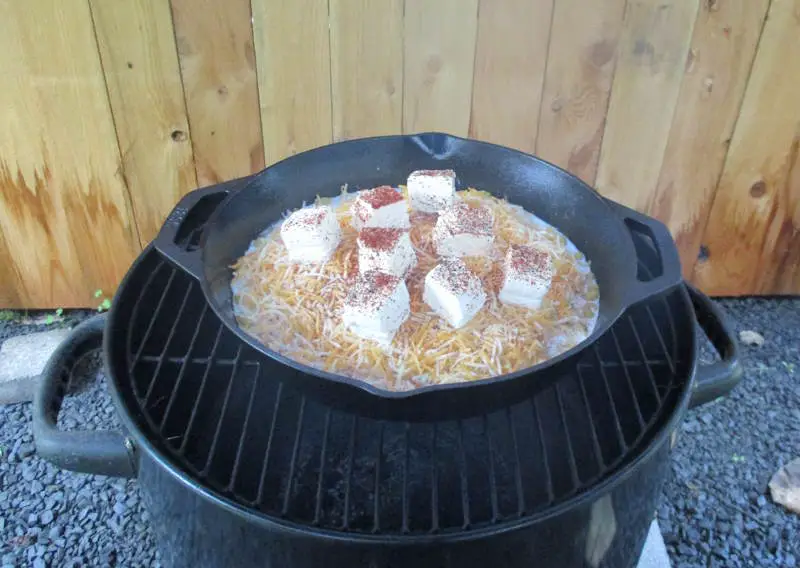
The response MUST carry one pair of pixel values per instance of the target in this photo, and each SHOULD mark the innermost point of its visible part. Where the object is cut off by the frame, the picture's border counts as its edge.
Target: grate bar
(376, 509)
(268, 450)
(321, 477)
(405, 528)
(434, 482)
(200, 392)
(562, 415)
(598, 453)
(221, 420)
(298, 437)
(464, 481)
(238, 459)
(170, 336)
(543, 446)
(348, 480)
(649, 369)
(136, 305)
(153, 320)
(517, 465)
(182, 370)
(661, 341)
(617, 426)
(628, 380)
(492, 472)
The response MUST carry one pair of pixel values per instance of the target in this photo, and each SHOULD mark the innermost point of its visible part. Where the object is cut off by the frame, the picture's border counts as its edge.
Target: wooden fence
(112, 109)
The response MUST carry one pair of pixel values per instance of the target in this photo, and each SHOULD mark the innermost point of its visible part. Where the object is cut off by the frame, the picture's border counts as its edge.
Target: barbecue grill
(240, 467)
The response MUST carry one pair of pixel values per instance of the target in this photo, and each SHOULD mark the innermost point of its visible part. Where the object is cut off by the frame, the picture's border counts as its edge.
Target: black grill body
(238, 468)
(607, 530)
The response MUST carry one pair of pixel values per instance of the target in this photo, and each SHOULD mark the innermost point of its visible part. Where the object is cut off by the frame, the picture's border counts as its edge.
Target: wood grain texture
(66, 223)
(366, 67)
(725, 38)
(650, 67)
(510, 62)
(218, 66)
(140, 62)
(294, 77)
(438, 66)
(753, 233)
(580, 69)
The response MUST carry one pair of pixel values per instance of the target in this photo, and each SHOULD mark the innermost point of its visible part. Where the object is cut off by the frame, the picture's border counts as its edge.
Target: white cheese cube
(528, 273)
(376, 306)
(385, 250)
(464, 230)
(430, 191)
(454, 292)
(380, 207)
(311, 234)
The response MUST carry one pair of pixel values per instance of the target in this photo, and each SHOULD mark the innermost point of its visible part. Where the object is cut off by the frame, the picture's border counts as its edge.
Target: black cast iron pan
(600, 228)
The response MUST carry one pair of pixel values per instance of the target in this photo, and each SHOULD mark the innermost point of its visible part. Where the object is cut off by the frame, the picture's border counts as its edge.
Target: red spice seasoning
(436, 173)
(309, 217)
(462, 218)
(381, 196)
(371, 290)
(455, 275)
(529, 263)
(378, 238)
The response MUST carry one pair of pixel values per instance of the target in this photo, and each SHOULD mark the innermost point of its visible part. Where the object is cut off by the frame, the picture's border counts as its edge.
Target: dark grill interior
(232, 421)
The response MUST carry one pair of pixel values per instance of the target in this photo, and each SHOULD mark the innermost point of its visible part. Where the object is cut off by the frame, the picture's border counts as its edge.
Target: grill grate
(214, 406)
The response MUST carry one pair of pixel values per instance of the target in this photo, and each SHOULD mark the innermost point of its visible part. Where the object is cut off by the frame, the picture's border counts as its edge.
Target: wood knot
(602, 52)
(702, 254)
(758, 189)
(178, 135)
(434, 64)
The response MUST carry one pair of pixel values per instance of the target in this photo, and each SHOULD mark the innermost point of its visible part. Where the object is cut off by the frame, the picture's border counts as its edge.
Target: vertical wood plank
(650, 67)
(218, 67)
(439, 57)
(724, 44)
(294, 78)
(366, 67)
(580, 68)
(66, 223)
(140, 62)
(753, 232)
(510, 61)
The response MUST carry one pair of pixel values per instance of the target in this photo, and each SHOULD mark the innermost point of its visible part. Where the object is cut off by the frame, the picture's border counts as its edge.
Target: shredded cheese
(294, 309)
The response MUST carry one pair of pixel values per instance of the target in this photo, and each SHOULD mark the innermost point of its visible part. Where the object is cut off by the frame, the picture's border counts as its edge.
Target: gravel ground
(716, 509)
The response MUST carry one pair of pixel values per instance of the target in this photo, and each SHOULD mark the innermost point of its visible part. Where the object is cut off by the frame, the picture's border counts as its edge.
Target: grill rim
(113, 361)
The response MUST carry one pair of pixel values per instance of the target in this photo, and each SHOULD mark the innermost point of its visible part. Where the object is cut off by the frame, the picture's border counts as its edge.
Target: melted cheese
(294, 309)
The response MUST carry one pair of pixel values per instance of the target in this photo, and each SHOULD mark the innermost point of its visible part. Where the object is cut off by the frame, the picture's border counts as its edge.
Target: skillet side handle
(670, 274)
(716, 379)
(102, 452)
(181, 233)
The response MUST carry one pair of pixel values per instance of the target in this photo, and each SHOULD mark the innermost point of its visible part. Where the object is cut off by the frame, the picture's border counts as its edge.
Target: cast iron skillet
(600, 228)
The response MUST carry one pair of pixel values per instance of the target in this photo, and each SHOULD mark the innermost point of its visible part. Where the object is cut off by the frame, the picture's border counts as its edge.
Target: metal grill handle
(716, 379)
(100, 452)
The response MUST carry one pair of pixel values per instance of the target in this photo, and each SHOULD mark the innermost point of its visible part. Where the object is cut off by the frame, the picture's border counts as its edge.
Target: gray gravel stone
(727, 451)
(39, 492)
